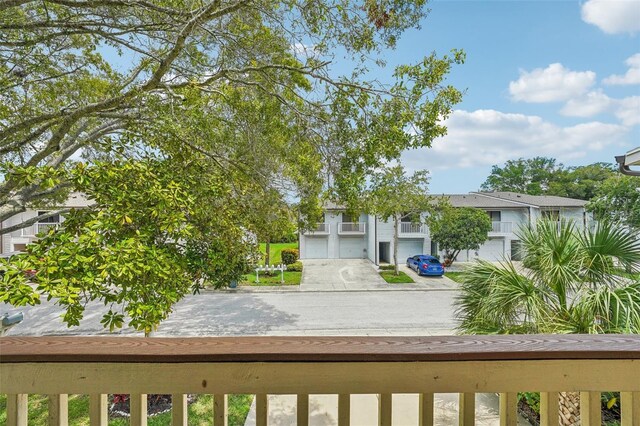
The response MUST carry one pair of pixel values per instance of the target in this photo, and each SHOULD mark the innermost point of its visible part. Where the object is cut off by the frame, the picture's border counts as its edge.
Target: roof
(78, 199)
(536, 200)
(330, 205)
(478, 201)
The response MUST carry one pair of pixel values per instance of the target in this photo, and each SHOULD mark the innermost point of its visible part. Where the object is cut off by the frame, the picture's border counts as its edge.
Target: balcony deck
(59, 366)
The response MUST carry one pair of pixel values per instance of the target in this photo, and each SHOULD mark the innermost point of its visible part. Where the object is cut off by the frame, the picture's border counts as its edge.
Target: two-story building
(16, 241)
(340, 236)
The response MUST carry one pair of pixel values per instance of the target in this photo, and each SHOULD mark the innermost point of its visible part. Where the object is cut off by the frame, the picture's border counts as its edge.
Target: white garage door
(492, 250)
(351, 248)
(315, 248)
(407, 248)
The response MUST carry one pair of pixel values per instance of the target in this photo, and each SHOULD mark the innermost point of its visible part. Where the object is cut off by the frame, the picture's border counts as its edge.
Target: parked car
(425, 265)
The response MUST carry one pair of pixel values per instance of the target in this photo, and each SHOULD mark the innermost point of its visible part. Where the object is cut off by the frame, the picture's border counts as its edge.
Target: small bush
(289, 256)
(287, 238)
(386, 267)
(295, 267)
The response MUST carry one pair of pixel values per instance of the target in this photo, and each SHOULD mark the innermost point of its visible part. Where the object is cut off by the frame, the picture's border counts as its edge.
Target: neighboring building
(17, 240)
(365, 237)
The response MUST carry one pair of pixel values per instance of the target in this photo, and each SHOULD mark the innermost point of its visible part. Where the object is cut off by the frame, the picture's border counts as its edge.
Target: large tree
(458, 228)
(393, 194)
(618, 200)
(235, 97)
(544, 176)
(528, 176)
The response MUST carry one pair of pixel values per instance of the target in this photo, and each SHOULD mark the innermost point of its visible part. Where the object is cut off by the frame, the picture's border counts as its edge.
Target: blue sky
(543, 78)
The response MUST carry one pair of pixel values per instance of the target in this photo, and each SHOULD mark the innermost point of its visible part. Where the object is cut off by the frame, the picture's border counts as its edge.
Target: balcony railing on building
(412, 228)
(320, 229)
(343, 366)
(352, 228)
(37, 228)
(502, 227)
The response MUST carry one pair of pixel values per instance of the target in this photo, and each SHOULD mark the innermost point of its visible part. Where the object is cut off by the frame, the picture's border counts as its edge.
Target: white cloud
(591, 104)
(487, 137)
(304, 51)
(554, 83)
(613, 16)
(632, 76)
(628, 110)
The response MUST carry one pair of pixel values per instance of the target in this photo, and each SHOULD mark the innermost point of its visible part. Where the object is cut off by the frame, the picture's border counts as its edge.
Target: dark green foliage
(543, 176)
(457, 229)
(295, 267)
(289, 256)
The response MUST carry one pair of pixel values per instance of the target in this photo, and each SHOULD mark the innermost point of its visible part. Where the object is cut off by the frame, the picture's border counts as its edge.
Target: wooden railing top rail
(317, 349)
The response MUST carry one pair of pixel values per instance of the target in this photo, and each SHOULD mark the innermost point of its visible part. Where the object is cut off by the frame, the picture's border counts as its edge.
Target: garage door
(351, 248)
(315, 248)
(407, 248)
(492, 250)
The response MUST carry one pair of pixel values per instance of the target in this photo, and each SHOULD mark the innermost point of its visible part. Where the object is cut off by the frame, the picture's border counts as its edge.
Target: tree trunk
(395, 245)
(267, 248)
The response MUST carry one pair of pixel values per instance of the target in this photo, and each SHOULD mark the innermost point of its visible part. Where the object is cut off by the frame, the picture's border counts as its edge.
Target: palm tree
(571, 280)
(575, 281)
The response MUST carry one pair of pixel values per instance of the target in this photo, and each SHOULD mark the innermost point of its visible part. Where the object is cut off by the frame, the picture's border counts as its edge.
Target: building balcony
(501, 228)
(408, 229)
(343, 366)
(37, 228)
(320, 229)
(352, 228)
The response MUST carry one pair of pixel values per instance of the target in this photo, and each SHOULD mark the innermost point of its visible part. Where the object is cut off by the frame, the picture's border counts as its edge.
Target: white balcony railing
(412, 228)
(37, 228)
(502, 227)
(263, 366)
(320, 229)
(43, 228)
(351, 228)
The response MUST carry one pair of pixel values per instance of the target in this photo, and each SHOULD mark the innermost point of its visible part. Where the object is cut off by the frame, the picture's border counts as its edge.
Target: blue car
(425, 265)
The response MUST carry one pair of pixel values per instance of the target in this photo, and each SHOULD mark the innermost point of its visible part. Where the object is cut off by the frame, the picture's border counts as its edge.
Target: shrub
(295, 267)
(386, 267)
(289, 256)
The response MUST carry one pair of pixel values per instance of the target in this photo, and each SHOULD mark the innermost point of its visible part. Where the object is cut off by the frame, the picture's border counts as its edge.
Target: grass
(200, 412)
(455, 276)
(290, 278)
(392, 278)
(274, 251)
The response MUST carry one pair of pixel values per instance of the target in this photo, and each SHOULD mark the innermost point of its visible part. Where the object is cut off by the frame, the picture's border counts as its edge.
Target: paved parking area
(432, 283)
(340, 274)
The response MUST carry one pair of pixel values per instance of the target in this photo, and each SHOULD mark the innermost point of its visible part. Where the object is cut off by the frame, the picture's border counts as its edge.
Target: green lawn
(274, 251)
(290, 278)
(200, 412)
(392, 278)
(455, 276)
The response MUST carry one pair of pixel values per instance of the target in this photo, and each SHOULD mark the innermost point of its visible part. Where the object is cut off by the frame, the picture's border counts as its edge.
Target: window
(410, 218)
(52, 219)
(346, 218)
(495, 216)
(551, 215)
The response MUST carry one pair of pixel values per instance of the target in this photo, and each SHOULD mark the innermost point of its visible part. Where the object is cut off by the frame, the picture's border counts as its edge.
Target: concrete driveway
(433, 283)
(340, 274)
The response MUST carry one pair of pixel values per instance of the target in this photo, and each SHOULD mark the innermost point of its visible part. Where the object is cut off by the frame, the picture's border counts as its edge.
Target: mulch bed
(156, 404)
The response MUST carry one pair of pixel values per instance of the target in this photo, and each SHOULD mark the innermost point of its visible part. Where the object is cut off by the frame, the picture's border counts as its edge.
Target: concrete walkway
(323, 410)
